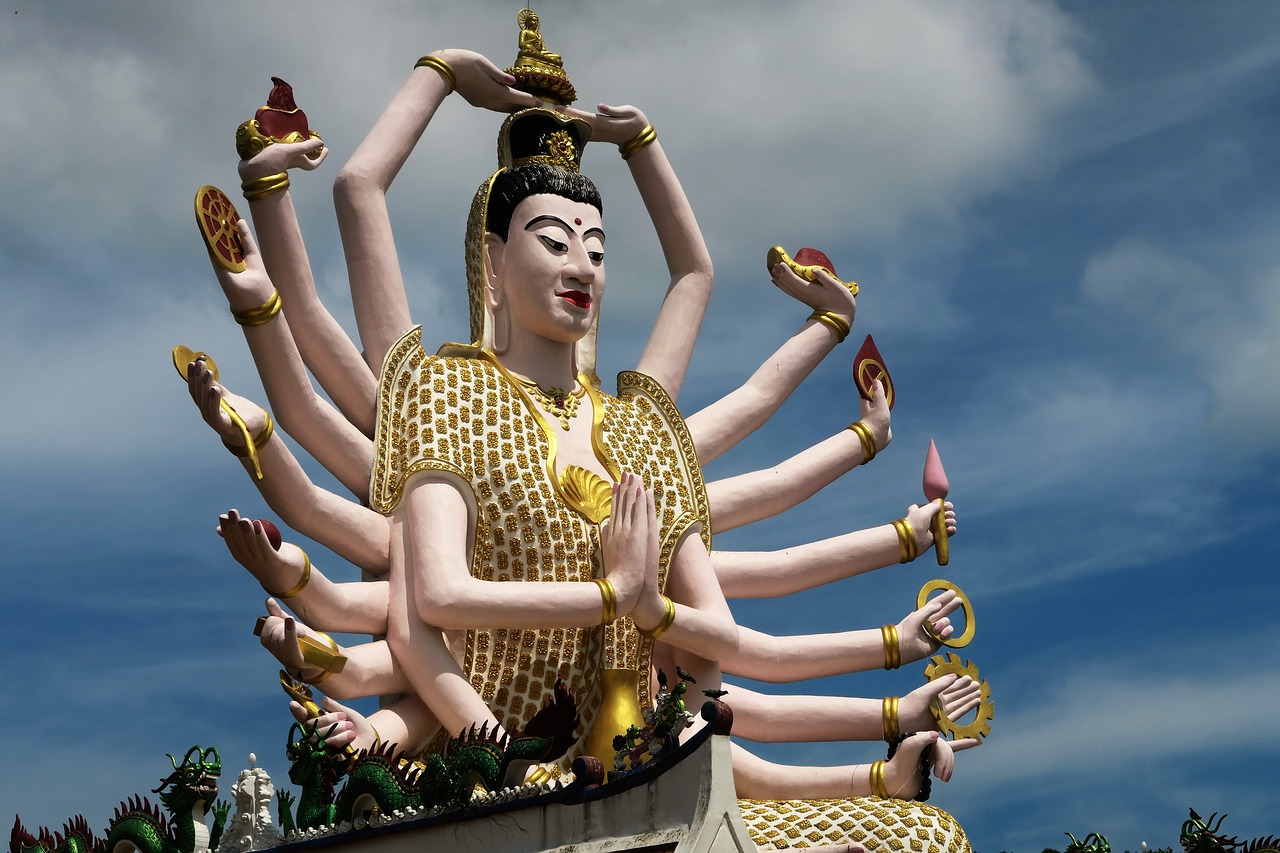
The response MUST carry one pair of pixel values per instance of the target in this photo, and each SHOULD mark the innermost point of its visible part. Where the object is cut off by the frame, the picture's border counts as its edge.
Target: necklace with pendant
(562, 404)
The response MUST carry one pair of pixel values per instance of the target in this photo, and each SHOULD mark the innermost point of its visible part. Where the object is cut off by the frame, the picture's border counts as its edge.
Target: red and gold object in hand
(280, 120)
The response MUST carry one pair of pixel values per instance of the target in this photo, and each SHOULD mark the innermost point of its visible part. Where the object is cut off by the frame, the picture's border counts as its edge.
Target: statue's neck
(548, 362)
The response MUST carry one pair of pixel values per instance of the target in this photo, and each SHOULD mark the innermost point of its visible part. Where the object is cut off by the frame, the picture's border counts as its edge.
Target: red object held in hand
(814, 258)
(935, 478)
(273, 533)
(868, 366)
(281, 116)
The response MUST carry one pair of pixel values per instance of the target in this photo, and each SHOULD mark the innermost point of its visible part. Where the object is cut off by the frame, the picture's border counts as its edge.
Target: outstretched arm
(325, 347)
(360, 191)
(353, 532)
(768, 574)
(334, 442)
(406, 722)
(740, 500)
(742, 411)
(369, 670)
(666, 356)
(808, 719)
(758, 779)
(764, 657)
(289, 575)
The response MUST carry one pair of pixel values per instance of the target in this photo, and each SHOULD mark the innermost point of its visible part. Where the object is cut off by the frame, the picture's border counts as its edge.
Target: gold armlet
(608, 599)
(302, 582)
(863, 432)
(889, 718)
(907, 548)
(878, 788)
(668, 617)
(638, 143)
(440, 65)
(263, 314)
(834, 322)
(892, 648)
(260, 188)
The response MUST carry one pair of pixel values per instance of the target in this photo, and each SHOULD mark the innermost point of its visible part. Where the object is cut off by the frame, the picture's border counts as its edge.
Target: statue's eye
(596, 257)
(553, 245)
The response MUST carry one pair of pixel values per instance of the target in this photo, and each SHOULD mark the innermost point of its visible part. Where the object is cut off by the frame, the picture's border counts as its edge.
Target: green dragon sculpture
(384, 780)
(1201, 836)
(139, 825)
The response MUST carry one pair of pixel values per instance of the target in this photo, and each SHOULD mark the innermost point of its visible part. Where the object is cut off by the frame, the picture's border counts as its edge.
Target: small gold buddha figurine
(533, 51)
(537, 70)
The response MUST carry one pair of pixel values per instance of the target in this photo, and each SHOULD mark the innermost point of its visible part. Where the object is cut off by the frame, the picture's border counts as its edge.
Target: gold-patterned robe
(466, 418)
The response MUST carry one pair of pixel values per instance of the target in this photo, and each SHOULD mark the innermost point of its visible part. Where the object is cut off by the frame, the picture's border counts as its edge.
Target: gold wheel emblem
(217, 217)
(949, 664)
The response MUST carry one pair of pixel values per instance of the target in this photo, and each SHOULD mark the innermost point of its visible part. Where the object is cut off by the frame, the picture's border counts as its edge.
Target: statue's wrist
(655, 623)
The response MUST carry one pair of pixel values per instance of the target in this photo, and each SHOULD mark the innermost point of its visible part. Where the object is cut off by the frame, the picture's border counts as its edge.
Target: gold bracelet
(608, 598)
(834, 322)
(302, 582)
(259, 441)
(907, 548)
(263, 314)
(260, 188)
(863, 432)
(889, 718)
(878, 788)
(668, 617)
(892, 648)
(430, 61)
(639, 142)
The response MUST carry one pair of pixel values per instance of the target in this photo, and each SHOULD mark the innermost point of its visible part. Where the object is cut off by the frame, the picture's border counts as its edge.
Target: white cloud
(1222, 325)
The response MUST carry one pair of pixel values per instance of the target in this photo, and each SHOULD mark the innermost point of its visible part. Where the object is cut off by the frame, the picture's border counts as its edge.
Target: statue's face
(549, 274)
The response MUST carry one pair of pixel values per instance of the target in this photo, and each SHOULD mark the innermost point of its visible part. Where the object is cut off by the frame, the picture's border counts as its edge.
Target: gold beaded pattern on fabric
(466, 418)
(891, 825)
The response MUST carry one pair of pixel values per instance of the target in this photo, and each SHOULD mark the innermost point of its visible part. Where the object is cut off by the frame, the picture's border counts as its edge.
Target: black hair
(515, 185)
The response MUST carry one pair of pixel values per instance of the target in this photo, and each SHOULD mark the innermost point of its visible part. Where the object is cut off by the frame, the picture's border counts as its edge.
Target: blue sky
(1062, 218)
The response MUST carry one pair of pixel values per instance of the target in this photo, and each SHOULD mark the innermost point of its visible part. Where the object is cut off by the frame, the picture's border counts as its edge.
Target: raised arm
(329, 437)
(768, 574)
(740, 500)
(355, 533)
(360, 191)
(742, 411)
(666, 356)
(324, 346)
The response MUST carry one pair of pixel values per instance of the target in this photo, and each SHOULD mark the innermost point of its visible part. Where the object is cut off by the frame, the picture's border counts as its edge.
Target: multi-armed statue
(528, 529)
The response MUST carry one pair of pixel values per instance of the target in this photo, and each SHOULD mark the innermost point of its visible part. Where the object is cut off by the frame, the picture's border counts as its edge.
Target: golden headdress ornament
(538, 135)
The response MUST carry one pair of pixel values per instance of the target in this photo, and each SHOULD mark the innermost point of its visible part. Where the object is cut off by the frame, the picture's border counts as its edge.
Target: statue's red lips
(578, 298)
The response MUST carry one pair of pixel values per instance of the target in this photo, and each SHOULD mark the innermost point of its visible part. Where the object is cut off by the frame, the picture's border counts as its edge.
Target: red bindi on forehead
(577, 221)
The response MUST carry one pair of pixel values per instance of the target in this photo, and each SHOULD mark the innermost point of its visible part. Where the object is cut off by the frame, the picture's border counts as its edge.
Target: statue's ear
(494, 257)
